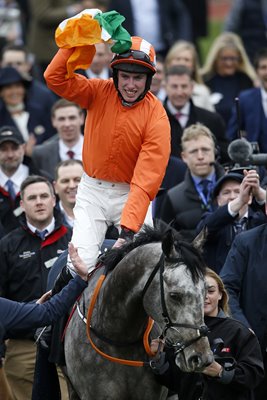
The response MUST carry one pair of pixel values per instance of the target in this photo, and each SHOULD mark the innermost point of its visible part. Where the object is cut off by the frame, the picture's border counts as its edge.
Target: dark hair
(31, 179)
(61, 103)
(178, 70)
(66, 163)
(15, 47)
(260, 55)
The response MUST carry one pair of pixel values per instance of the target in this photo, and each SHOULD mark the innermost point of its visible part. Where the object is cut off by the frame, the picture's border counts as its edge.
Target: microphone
(241, 152)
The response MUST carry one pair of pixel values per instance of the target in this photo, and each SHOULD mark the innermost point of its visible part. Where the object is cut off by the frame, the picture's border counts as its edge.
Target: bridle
(202, 330)
(178, 346)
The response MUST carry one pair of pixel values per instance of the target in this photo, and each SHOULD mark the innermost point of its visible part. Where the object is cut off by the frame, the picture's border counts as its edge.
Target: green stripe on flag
(111, 21)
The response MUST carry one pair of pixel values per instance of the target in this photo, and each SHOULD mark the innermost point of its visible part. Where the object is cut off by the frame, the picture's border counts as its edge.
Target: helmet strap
(142, 95)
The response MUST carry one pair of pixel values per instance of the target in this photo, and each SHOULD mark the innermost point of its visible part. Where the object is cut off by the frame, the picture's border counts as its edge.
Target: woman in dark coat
(17, 109)
(237, 367)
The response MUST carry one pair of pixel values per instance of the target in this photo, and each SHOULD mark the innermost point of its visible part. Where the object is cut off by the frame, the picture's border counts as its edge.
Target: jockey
(126, 145)
(126, 137)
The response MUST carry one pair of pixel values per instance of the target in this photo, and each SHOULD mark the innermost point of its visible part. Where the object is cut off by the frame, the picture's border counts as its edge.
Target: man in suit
(99, 67)
(244, 275)
(241, 203)
(252, 116)
(68, 119)
(67, 177)
(185, 203)
(14, 168)
(182, 112)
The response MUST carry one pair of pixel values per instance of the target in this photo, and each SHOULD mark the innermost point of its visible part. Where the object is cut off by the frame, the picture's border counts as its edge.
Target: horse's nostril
(195, 361)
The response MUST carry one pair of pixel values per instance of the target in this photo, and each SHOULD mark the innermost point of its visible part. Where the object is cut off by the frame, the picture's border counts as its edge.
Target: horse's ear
(168, 243)
(200, 239)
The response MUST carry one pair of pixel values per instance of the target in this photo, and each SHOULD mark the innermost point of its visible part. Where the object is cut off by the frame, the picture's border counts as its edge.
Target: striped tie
(11, 190)
(41, 234)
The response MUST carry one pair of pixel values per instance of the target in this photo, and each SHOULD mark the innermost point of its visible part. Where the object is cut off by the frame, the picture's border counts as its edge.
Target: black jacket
(26, 260)
(221, 232)
(239, 345)
(10, 211)
(183, 205)
(199, 115)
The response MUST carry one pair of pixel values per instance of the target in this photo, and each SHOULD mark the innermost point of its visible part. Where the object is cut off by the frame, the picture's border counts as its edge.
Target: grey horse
(158, 276)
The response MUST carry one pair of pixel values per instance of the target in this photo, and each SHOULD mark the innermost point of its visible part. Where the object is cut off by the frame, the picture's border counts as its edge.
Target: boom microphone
(241, 152)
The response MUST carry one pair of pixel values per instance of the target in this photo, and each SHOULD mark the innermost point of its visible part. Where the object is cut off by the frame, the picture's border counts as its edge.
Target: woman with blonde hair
(184, 53)
(227, 71)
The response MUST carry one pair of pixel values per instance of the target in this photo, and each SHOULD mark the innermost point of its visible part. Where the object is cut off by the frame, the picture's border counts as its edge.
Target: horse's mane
(192, 257)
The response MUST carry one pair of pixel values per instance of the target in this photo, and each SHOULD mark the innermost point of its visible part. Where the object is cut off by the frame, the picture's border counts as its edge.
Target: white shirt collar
(17, 178)
(77, 149)
(184, 110)
(50, 227)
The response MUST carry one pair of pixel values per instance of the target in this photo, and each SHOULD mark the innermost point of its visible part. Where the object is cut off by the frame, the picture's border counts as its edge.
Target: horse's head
(181, 303)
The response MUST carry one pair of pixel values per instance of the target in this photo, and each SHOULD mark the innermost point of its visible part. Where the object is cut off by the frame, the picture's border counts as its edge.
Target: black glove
(126, 234)
(62, 280)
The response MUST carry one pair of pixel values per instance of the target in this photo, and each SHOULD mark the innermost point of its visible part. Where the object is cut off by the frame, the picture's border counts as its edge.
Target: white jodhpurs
(99, 204)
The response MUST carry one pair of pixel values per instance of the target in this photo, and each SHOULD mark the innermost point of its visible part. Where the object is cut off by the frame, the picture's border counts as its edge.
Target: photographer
(237, 367)
(241, 202)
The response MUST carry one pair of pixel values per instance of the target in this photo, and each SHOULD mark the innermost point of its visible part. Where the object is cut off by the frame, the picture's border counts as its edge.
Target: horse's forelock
(192, 258)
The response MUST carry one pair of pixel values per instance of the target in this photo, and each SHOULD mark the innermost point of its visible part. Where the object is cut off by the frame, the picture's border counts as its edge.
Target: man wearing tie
(14, 168)
(185, 203)
(68, 120)
(182, 112)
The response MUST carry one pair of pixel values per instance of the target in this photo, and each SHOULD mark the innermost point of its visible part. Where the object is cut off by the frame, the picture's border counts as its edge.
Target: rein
(178, 347)
(202, 330)
(107, 356)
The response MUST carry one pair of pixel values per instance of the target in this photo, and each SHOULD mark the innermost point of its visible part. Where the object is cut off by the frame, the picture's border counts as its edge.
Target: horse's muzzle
(198, 361)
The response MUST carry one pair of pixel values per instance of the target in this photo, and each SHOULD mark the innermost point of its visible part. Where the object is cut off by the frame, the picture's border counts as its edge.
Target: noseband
(202, 330)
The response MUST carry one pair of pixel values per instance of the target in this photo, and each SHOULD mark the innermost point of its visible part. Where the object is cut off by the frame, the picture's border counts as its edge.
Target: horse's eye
(175, 296)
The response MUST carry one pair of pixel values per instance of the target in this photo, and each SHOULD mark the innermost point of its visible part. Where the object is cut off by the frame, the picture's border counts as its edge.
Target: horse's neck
(119, 309)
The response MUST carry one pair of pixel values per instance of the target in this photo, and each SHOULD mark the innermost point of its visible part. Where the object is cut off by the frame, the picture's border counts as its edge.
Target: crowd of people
(95, 145)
